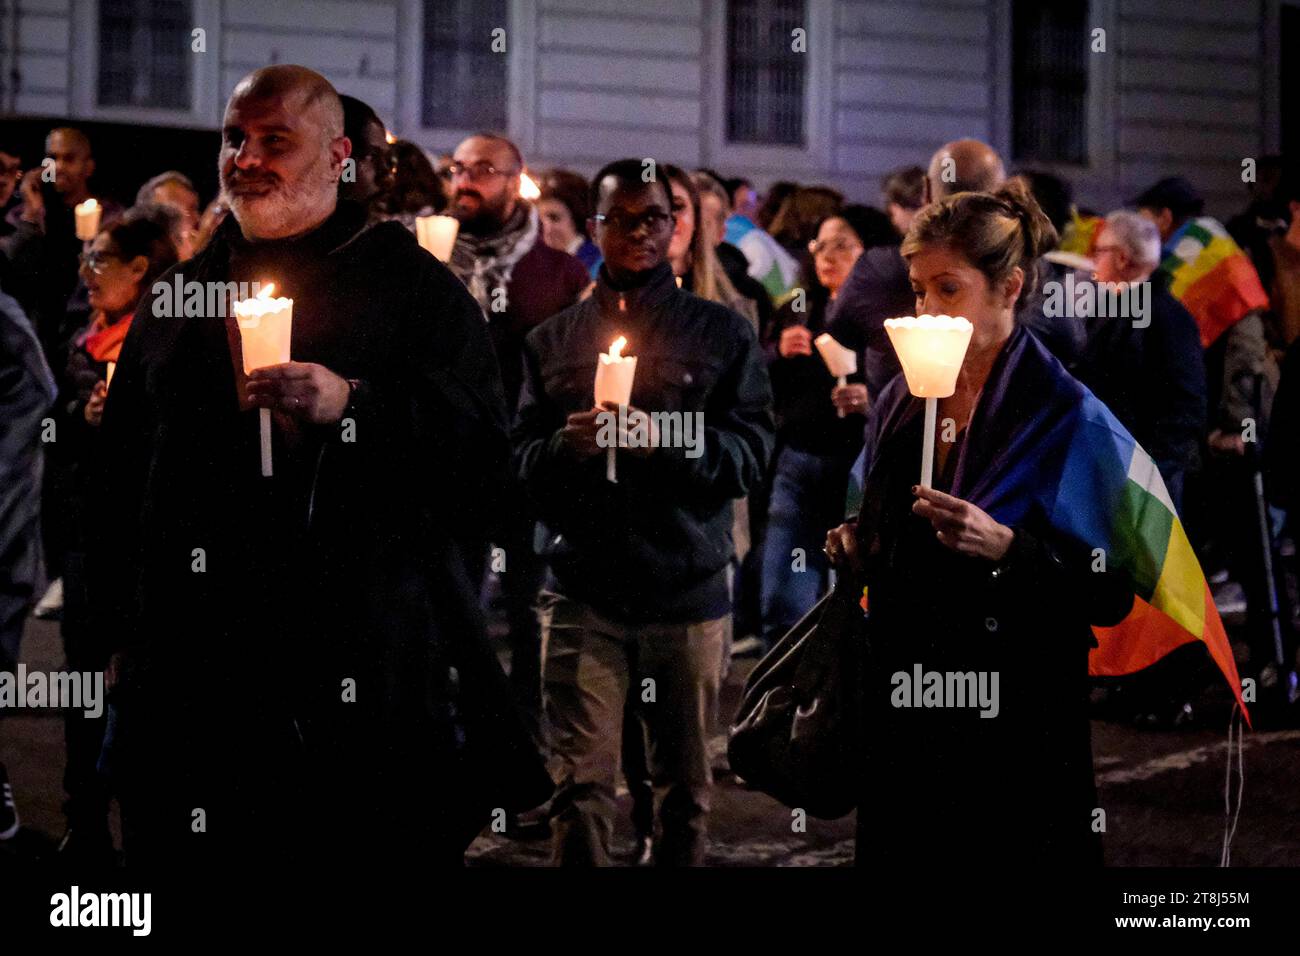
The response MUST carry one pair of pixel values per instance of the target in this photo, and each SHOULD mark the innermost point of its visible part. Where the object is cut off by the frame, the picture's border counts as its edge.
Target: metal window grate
(765, 77)
(464, 80)
(144, 53)
(1049, 81)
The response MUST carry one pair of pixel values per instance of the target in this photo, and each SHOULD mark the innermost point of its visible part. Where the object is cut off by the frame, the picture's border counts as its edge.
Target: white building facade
(1111, 94)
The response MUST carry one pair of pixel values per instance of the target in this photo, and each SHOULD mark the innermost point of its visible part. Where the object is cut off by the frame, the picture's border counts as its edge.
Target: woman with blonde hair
(990, 575)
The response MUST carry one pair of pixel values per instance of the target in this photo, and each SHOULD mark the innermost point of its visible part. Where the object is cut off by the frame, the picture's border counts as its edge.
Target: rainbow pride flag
(1041, 449)
(1111, 496)
(1212, 277)
(1081, 232)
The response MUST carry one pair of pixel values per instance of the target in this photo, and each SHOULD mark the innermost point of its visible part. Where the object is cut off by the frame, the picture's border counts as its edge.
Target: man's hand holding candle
(582, 430)
(303, 390)
(579, 434)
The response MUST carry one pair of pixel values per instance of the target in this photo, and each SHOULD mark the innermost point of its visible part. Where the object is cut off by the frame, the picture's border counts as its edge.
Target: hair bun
(1037, 230)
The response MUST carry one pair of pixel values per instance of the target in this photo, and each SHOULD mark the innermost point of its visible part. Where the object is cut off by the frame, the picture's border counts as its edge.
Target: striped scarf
(485, 263)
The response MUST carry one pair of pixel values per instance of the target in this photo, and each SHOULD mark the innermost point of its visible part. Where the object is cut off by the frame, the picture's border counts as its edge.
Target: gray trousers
(589, 664)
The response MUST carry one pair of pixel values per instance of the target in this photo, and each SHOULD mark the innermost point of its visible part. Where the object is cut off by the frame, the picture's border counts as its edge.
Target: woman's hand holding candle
(94, 411)
(850, 399)
(795, 340)
(303, 390)
(961, 526)
(842, 548)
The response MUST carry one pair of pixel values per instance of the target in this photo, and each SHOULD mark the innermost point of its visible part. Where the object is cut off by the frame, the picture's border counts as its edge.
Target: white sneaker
(50, 606)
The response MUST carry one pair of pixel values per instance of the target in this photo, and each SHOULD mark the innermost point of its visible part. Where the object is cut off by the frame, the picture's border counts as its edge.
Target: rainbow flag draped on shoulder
(1042, 450)
(1212, 277)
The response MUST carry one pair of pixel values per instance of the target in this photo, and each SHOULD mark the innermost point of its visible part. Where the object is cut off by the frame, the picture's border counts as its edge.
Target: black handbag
(796, 734)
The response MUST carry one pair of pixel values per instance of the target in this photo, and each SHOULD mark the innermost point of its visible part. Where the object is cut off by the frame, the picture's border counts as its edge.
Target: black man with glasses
(639, 596)
(518, 281)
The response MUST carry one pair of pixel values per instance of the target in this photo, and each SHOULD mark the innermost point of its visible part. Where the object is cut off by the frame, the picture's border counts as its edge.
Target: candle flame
(389, 137)
(266, 291)
(616, 349)
(527, 188)
(90, 205)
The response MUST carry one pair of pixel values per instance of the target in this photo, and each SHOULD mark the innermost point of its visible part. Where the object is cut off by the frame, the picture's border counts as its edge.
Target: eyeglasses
(831, 247)
(476, 171)
(96, 262)
(654, 220)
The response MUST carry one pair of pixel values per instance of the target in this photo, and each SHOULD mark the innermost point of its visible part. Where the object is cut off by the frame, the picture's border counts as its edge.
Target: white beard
(287, 209)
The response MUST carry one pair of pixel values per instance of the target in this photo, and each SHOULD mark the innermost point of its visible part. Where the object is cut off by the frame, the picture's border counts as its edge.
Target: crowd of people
(439, 461)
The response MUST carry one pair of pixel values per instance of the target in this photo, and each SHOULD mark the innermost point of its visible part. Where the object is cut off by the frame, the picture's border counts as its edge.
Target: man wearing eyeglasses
(641, 597)
(518, 281)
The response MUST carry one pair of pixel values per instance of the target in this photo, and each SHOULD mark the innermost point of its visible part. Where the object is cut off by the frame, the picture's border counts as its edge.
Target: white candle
(931, 349)
(437, 234)
(265, 331)
(614, 374)
(87, 214)
(842, 362)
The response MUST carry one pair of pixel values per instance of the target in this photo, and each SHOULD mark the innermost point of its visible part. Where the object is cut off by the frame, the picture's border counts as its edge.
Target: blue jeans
(807, 493)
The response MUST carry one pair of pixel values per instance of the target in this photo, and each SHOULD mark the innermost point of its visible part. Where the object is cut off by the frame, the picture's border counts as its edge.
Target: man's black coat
(315, 630)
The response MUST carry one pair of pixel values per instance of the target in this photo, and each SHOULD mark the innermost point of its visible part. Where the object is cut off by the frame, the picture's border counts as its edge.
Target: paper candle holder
(931, 349)
(437, 235)
(265, 334)
(614, 375)
(265, 330)
(842, 362)
(87, 218)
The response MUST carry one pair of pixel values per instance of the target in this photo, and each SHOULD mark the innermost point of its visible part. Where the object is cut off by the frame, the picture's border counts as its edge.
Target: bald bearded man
(301, 655)
(878, 287)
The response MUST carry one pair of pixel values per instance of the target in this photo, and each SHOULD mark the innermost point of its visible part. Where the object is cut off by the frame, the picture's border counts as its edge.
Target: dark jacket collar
(656, 290)
(347, 221)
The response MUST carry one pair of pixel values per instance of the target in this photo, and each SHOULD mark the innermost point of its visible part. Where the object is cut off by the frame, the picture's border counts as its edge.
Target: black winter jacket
(654, 546)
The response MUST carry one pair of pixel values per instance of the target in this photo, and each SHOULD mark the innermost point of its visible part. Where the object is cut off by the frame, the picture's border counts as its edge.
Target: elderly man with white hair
(1147, 368)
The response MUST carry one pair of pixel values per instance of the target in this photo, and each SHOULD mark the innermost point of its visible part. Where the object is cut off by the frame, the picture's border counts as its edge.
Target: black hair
(872, 226)
(628, 172)
(356, 117)
(145, 231)
(1054, 195)
(905, 187)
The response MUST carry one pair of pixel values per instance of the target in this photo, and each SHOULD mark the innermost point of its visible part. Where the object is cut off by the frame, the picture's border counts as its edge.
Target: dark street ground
(1163, 792)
